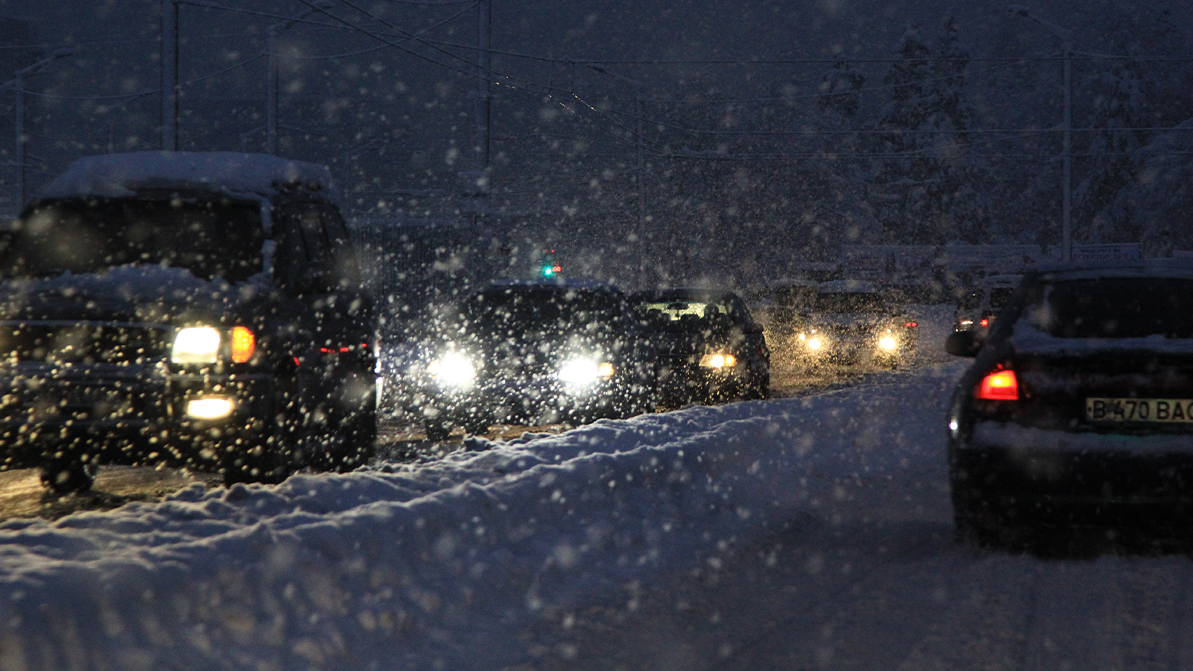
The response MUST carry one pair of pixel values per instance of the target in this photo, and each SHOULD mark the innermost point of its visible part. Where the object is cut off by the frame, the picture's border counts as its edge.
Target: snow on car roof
(123, 175)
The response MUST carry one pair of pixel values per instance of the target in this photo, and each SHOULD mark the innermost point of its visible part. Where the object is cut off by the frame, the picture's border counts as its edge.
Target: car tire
(477, 427)
(437, 430)
(68, 475)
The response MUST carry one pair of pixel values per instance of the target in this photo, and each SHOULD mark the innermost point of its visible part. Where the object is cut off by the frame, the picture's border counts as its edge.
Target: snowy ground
(795, 533)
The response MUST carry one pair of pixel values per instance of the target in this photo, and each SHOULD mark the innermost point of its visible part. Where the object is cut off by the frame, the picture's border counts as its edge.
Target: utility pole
(484, 76)
(170, 75)
(18, 84)
(1066, 38)
(271, 76)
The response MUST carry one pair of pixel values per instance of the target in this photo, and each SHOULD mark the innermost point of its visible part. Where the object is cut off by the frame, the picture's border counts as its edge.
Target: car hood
(145, 294)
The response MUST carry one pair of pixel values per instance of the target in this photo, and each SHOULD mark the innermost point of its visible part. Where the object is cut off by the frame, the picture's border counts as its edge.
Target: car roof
(124, 175)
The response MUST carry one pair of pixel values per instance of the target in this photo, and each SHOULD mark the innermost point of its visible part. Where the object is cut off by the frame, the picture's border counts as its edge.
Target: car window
(1132, 307)
(210, 238)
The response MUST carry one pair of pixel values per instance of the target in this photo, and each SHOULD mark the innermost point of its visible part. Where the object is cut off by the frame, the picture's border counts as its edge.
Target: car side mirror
(963, 343)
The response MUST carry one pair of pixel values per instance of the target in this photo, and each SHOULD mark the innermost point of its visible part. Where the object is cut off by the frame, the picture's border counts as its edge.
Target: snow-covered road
(796, 533)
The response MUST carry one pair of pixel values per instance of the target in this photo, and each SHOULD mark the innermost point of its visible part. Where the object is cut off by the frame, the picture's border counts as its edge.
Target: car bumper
(131, 419)
(505, 400)
(1070, 475)
(683, 381)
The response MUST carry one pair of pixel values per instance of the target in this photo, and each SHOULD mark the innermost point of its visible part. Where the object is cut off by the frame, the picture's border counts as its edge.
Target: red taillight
(998, 386)
(985, 322)
(912, 325)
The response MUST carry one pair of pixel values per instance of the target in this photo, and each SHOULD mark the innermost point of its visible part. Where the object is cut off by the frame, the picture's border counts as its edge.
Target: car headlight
(887, 343)
(196, 345)
(814, 343)
(718, 361)
(583, 371)
(453, 370)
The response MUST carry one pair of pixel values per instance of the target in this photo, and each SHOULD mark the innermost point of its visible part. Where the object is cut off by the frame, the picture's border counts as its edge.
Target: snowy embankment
(443, 564)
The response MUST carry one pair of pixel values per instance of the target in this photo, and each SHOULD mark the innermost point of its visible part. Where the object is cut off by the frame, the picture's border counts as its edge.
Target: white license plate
(1162, 410)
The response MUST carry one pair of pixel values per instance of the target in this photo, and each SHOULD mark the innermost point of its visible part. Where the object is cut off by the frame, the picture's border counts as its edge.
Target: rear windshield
(850, 302)
(510, 312)
(1119, 307)
(694, 316)
(210, 238)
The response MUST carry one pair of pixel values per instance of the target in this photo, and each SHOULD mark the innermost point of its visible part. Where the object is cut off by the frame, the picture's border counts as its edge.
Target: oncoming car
(1078, 407)
(709, 347)
(852, 322)
(190, 309)
(534, 351)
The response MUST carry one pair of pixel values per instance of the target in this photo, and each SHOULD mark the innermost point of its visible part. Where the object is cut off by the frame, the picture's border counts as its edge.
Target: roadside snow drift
(440, 564)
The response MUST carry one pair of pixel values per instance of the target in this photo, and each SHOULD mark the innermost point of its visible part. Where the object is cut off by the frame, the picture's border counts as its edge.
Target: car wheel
(68, 475)
(437, 430)
(477, 427)
(359, 434)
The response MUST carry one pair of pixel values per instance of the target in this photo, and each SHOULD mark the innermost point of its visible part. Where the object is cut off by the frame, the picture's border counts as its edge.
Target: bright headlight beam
(580, 372)
(814, 343)
(196, 345)
(453, 370)
(887, 343)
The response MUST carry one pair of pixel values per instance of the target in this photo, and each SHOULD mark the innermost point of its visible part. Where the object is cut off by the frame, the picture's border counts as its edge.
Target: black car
(1078, 407)
(709, 347)
(533, 351)
(852, 322)
(193, 309)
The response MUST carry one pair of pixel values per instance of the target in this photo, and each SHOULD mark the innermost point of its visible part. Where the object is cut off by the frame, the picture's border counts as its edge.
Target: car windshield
(1121, 307)
(850, 302)
(511, 312)
(210, 238)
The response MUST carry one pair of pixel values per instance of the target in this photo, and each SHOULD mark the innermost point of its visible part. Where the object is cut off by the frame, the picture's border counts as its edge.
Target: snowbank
(441, 564)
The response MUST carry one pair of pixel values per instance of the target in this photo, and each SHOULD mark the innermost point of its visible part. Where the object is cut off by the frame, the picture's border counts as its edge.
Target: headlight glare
(196, 345)
(453, 370)
(887, 343)
(583, 371)
(814, 343)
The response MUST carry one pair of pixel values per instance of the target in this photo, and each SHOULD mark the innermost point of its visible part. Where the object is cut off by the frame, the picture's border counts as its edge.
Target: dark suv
(194, 309)
(535, 351)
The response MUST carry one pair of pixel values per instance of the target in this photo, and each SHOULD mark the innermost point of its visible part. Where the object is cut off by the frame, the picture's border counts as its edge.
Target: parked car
(193, 309)
(980, 307)
(851, 322)
(709, 347)
(533, 351)
(1078, 407)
